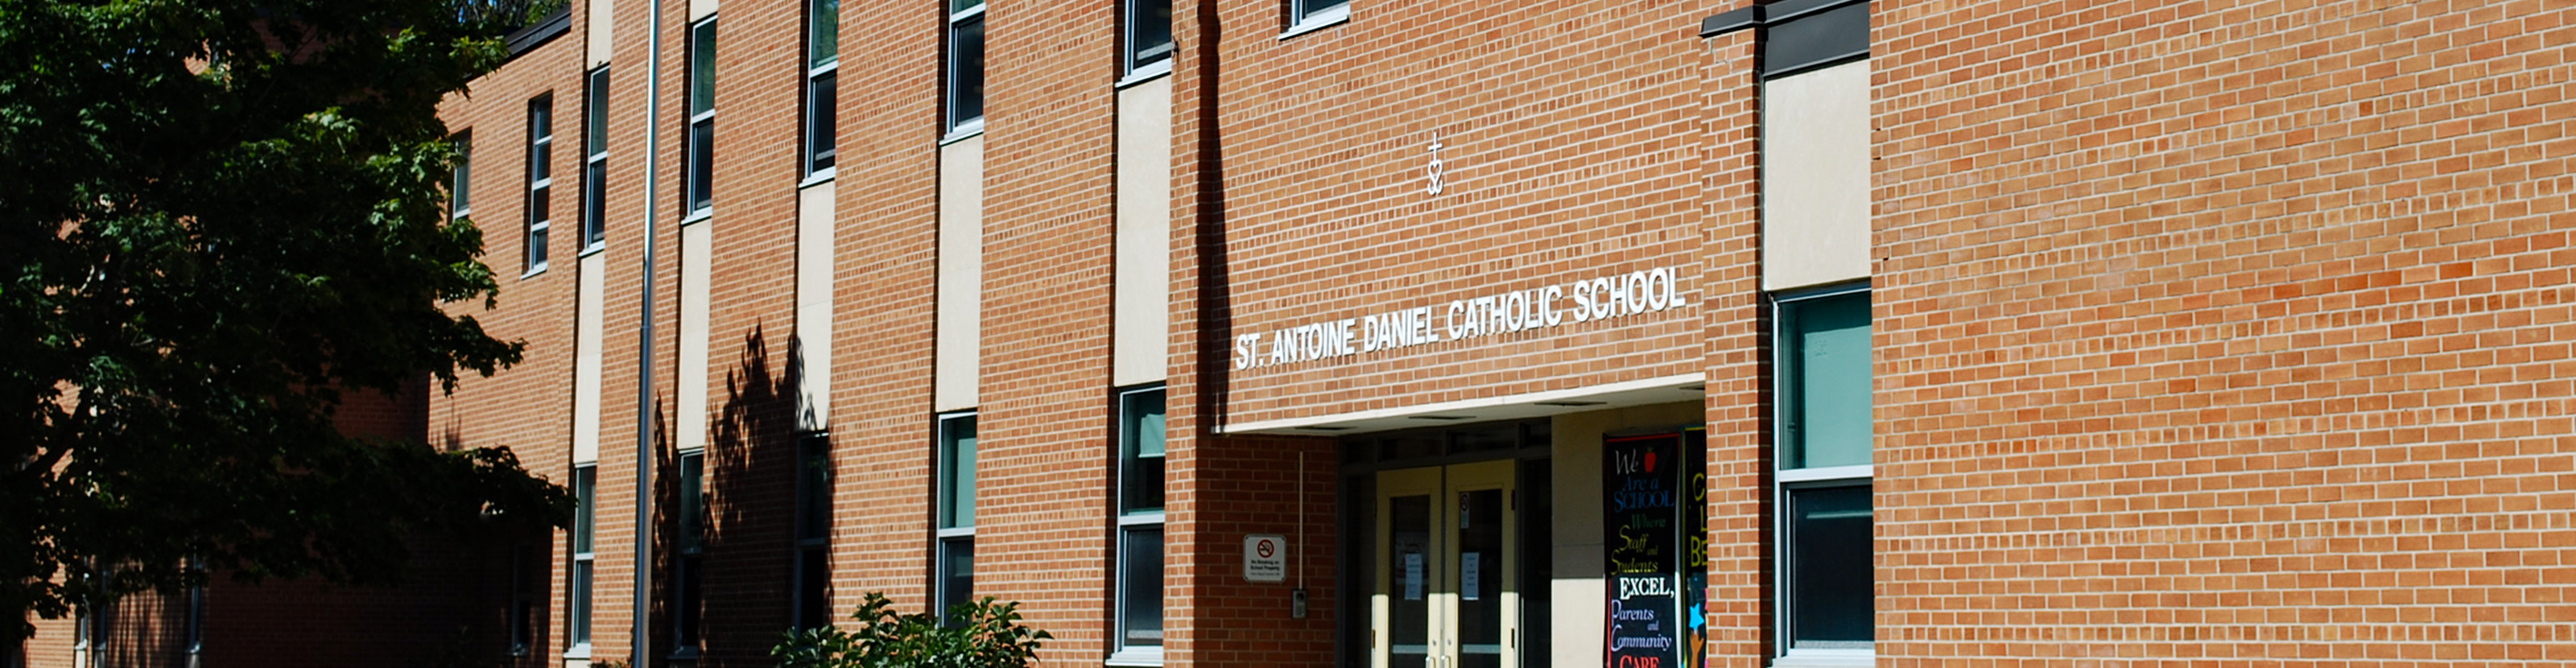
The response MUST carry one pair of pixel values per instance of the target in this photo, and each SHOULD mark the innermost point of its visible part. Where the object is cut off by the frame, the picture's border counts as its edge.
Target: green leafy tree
(977, 634)
(221, 215)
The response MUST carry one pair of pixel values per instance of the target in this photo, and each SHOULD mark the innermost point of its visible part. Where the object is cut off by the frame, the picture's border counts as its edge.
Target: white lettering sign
(1592, 300)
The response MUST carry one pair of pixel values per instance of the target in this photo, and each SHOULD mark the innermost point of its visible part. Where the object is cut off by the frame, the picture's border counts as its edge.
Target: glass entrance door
(1447, 595)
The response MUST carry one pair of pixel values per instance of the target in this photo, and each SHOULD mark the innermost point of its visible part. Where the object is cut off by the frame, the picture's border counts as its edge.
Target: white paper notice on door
(1412, 576)
(1471, 575)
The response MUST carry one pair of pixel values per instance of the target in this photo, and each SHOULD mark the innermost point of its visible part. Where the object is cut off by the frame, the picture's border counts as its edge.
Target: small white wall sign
(1265, 558)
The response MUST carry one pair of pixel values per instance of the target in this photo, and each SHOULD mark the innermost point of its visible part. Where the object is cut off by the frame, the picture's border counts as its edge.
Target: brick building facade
(1808, 333)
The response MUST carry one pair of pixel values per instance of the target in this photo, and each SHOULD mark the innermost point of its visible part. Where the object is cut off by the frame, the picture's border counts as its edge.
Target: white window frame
(1127, 524)
(534, 233)
(1305, 16)
(582, 545)
(943, 537)
(700, 201)
(824, 146)
(460, 200)
(1785, 481)
(1128, 55)
(594, 162)
(960, 128)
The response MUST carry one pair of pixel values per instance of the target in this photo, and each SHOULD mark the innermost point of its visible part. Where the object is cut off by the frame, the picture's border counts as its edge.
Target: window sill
(1318, 21)
(1147, 73)
(581, 651)
(963, 131)
(1826, 658)
(819, 177)
(1824, 473)
(699, 215)
(532, 272)
(593, 249)
(1136, 656)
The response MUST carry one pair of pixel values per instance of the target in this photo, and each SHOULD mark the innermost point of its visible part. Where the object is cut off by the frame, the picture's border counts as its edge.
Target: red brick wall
(1739, 610)
(526, 408)
(1572, 138)
(1046, 447)
(2223, 332)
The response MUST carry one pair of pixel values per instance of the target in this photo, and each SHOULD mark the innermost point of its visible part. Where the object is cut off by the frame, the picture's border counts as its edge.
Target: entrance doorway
(1448, 590)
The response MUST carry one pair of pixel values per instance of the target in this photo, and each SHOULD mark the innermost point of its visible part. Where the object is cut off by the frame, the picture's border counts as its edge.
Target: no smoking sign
(1265, 558)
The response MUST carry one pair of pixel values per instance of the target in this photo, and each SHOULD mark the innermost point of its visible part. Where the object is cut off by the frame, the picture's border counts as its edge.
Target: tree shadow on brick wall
(749, 511)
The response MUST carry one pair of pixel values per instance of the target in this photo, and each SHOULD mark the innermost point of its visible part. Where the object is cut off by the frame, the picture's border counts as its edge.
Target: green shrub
(980, 634)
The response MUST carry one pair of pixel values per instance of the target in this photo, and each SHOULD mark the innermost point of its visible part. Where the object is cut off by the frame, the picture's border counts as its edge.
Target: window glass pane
(1150, 26)
(457, 193)
(702, 170)
(693, 501)
(577, 618)
(1307, 8)
(690, 607)
(585, 516)
(957, 465)
(823, 39)
(596, 127)
(1829, 568)
(540, 209)
(594, 202)
(813, 588)
(702, 68)
(955, 6)
(1829, 398)
(1412, 570)
(956, 572)
(1142, 430)
(537, 238)
(1140, 589)
(966, 71)
(814, 491)
(820, 132)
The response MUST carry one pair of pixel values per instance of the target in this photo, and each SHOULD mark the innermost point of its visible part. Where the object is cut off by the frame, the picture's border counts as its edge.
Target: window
(1824, 476)
(1310, 14)
(822, 77)
(1139, 630)
(524, 566)
(1148, 36)
(541, 143)
(813, 531)
(463, 177)
(585, 524)
(594, 163)
(965, 75)
(954, 574)
(698, 189)
(687, 608)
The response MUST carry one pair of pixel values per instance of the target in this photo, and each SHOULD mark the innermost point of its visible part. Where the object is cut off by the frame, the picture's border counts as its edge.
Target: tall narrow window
(594, 162)
(954, 573)
(541, 144)
(462, 177)
(813, 531)
(585, 523)
(822, 84)
(1139, 631)
(699, 190)
(1823, 393)
(1148, 35)
(525, 564)
(965, 75)
(687, 607)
